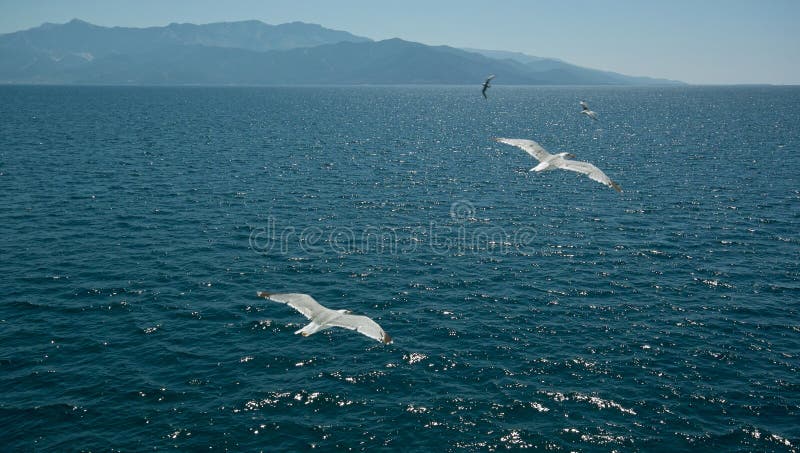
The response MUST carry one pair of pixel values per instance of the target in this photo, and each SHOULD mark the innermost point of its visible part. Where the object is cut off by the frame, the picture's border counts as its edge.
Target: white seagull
(323, 318)
(486, 85)
(549, 161)
(588, 112)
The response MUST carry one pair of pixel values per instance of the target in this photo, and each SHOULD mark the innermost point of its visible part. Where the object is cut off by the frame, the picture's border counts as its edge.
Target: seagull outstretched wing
(362, 325)
(529, 146)
(589, 170)
(303, 303)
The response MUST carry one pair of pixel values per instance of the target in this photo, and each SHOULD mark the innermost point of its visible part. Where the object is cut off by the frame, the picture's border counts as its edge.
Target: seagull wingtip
(263, 294)
(386, 339)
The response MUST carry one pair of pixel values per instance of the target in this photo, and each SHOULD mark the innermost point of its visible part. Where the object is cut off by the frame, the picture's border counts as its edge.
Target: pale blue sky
(697, 41)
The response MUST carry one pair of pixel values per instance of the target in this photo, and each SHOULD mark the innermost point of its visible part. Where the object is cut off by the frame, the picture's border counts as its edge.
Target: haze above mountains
(255, 53)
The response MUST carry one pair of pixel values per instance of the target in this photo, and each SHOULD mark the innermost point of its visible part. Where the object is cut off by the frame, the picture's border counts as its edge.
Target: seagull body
(549, 161)
(322, 317)
(486, 85)
(587, 111)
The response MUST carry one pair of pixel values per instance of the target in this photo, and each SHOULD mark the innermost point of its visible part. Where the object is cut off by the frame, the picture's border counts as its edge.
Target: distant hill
(571, 74)
(255, 53)
(505, 55)
(79, 37)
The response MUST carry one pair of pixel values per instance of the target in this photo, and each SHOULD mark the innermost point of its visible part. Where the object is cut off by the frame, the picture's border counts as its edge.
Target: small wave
(714, 283)
(294, 398)
(414, 357)
(596, 401)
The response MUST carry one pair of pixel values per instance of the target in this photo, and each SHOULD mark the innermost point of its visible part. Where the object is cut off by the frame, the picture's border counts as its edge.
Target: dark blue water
(543, 310)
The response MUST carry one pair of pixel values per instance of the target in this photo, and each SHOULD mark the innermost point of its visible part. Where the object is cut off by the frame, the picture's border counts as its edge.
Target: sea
(528, 310)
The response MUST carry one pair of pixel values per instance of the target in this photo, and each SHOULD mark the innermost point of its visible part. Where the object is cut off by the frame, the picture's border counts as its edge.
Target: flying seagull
(587, 111)
(549, 161)
(323, 318)
(486, 85)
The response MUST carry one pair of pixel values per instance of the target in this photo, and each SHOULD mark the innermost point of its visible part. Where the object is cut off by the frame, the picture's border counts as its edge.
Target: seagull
(549, 161)
(486, 85)
(323, 318)
(588, 112)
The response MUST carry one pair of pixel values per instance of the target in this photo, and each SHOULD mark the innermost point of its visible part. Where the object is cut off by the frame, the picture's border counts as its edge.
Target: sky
(695, 41)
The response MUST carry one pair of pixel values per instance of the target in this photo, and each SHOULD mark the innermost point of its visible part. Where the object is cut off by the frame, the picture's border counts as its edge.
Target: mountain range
(255, 53)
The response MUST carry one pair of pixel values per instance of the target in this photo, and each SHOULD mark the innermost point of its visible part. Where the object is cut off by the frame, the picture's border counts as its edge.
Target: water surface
(545, 310)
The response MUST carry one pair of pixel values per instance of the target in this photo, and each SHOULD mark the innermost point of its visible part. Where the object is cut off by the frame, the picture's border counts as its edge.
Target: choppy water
(544, 310)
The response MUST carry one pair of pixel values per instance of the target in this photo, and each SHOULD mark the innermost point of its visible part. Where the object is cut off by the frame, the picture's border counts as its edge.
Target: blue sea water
(527, 310)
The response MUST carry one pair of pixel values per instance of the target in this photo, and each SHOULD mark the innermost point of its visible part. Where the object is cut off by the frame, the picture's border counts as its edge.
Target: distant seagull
(323, 318)
(549, 161)
(588, 112)
(486, 85)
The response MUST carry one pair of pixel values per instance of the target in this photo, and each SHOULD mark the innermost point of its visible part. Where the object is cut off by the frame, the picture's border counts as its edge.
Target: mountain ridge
(255, 53)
